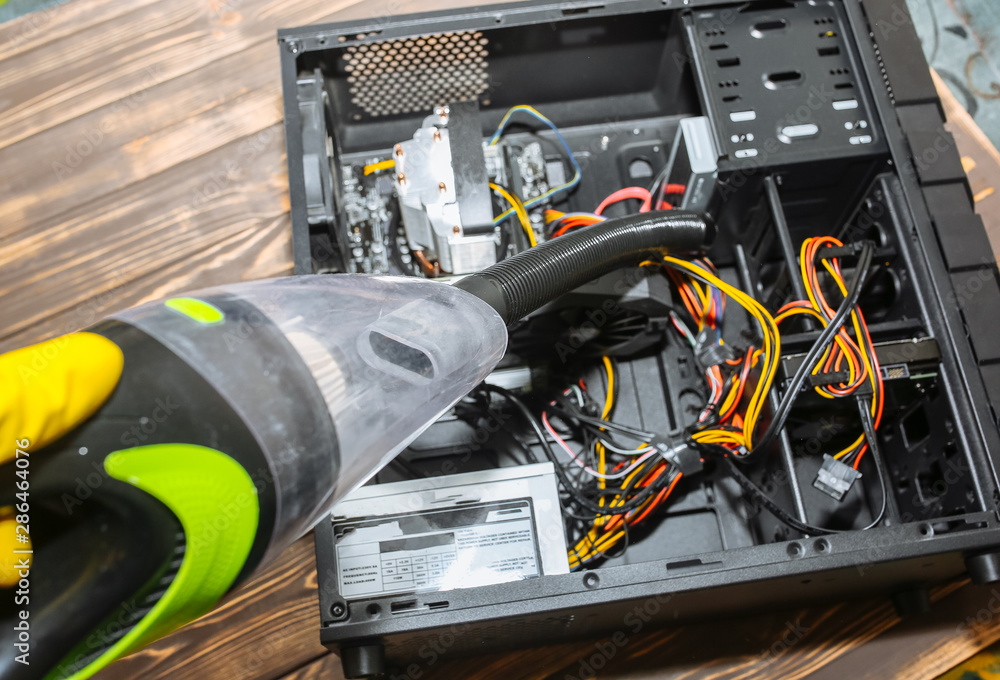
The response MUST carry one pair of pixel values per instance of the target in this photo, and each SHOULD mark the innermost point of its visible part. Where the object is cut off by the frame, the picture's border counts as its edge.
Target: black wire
(575, 493)
(528, 451)
(393, 230)
(504, 242)
(825, 338)
(625, 545)
(508, 226)
(597, 422)
(661, 181)
(864, 408)
(755, 492)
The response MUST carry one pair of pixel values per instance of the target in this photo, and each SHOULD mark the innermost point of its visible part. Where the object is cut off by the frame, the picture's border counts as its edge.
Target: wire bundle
(577, 172)
(857, 353)
(706, 305)
(704, 296)
(616, 476)
(558, 223)
(629, 482)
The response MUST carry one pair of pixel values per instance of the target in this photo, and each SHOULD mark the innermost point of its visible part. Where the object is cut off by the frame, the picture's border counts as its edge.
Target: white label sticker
(461, 547)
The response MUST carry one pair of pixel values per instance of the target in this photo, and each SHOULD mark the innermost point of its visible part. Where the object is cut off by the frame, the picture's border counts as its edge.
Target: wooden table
(142, 154)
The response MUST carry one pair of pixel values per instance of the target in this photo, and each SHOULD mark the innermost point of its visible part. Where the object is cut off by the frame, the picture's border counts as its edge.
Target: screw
(456, 229)
(437, 135)
(398, 149)
(338, 610)
(442, 188)
(402, 178)
(294, 46)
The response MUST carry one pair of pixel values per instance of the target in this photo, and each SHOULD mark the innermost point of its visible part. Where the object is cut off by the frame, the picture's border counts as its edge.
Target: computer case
(821, 118)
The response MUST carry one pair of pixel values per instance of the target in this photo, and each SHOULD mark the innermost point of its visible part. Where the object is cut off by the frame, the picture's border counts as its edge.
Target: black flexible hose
(521, 284)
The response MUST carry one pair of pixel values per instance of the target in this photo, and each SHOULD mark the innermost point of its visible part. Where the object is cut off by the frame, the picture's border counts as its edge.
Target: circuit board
(375, 239)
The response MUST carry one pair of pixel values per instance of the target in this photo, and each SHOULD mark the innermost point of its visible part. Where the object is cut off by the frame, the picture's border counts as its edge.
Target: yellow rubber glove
(45, 391)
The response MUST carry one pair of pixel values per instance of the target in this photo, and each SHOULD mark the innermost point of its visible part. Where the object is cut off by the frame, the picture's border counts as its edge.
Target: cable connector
(834, 478)
(709, 354)
(683, 457)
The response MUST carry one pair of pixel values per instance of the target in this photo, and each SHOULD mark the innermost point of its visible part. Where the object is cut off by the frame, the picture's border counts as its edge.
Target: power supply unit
(805, 410)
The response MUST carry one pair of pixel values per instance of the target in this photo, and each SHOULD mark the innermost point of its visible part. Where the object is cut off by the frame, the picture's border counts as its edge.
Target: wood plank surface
(142, 154)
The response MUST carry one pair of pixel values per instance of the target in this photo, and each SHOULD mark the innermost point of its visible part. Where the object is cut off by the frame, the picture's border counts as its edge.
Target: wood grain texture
(324, 668)
(142, 154)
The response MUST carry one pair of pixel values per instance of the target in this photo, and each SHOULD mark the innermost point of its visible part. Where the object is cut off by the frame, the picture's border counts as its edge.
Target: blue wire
(577, 171)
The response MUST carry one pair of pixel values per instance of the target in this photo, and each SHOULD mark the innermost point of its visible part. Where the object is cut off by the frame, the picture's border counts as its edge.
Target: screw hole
(794, 550)
(822, 546)
(591, 580)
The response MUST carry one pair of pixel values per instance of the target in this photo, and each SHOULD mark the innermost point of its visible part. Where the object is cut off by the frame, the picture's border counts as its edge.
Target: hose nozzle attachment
(519, 285)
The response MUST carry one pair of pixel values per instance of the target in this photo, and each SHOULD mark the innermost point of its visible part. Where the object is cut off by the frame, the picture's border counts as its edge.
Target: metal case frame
(959, 293)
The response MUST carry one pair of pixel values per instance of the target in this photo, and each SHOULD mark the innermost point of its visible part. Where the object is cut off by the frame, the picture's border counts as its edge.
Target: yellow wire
(864, 358)
(851, 364)
(378, 167)
(854, 322)
(496, 138)
(771, 350)
(610, 397)
(522, 214)
(608, 405)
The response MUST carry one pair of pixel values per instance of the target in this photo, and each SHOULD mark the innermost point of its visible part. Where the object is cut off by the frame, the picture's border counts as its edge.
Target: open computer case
(783, 120)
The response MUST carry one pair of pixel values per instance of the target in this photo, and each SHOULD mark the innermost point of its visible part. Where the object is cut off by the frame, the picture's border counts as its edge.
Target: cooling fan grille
(416, 74)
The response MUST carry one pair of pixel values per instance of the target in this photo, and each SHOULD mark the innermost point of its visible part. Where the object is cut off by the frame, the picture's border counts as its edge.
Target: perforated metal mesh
(416, 74)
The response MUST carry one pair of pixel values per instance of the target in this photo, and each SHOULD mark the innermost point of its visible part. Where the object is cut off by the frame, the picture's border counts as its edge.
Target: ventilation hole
(416, 74)
(763, 29)
(829, 51)
(402, 606)
(640, 169)
(844, 86)
(729, 62)
(571, 11)
(775, 81)
(718, 46)
(731, 98)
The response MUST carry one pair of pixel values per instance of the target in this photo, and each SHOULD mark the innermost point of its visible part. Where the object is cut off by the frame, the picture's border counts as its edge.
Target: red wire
(660, 497)
(626, 193)
(744, 374)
